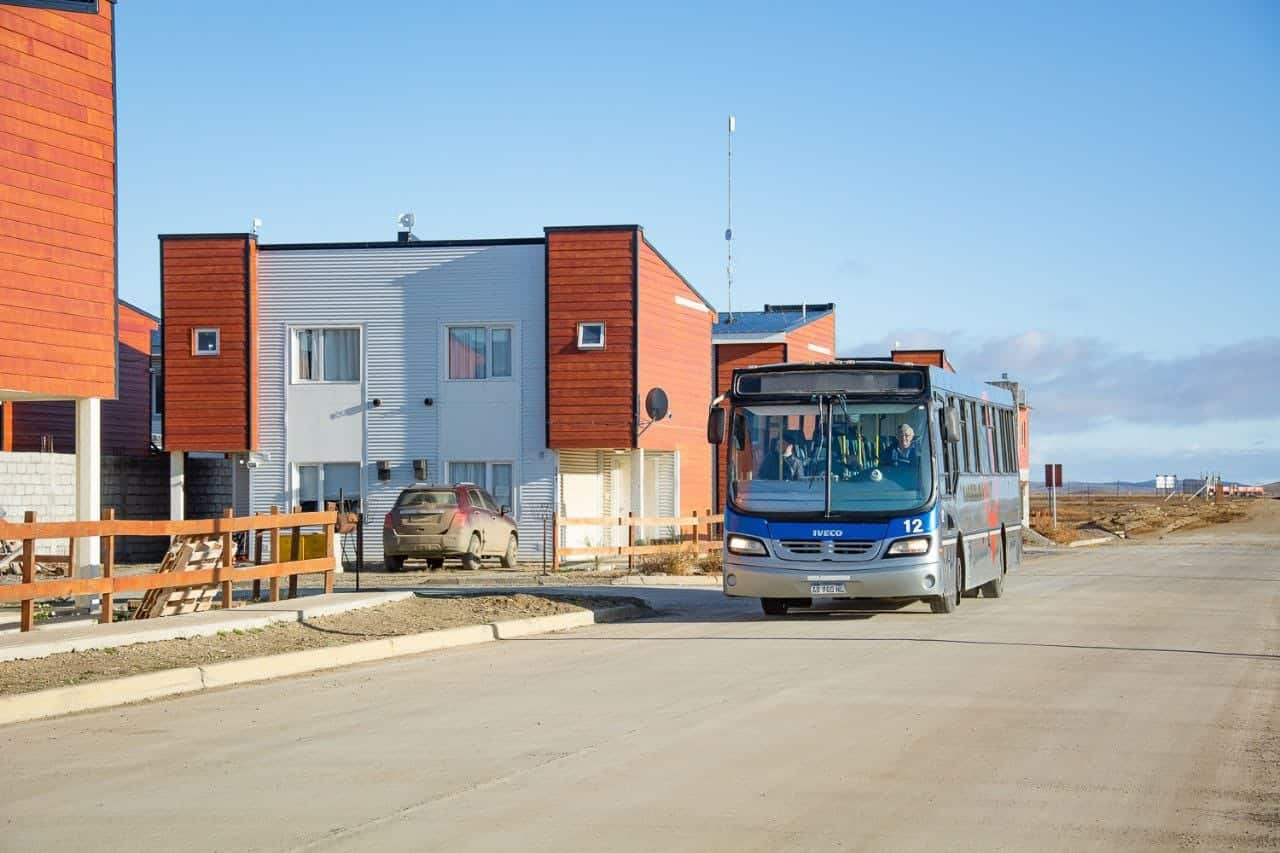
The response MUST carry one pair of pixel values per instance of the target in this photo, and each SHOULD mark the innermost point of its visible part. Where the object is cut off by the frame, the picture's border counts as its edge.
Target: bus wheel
(949, 601)
(995, 588)
(774, 606)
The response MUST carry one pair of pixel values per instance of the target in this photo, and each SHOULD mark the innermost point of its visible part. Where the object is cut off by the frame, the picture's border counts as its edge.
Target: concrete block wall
(41, 482)
(208, 486)
(137, 488)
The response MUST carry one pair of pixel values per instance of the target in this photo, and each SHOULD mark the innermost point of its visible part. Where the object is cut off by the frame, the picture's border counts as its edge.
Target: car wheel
(509, 558)
(393, 564)
(471, 559)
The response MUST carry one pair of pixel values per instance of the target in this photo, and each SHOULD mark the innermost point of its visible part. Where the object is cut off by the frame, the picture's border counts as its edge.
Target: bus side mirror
(715, 425)
(951, 425)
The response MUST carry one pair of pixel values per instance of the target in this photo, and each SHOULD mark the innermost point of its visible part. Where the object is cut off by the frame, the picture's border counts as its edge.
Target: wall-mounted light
(384, 469)
(420, 470)
(377, 401)
(428, 401)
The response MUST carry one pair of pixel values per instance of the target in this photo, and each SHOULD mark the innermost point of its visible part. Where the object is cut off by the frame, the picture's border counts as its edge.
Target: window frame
(295, 354)
(486, 483)
(320, 485)
(489, 329)
(594, 346)
(195, 342)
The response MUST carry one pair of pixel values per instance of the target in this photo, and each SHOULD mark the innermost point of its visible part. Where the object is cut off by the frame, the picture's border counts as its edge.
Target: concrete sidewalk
(82, 634)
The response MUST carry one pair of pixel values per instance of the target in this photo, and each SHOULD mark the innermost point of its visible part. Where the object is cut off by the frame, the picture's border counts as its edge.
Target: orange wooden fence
(698, 540)
(226, 575)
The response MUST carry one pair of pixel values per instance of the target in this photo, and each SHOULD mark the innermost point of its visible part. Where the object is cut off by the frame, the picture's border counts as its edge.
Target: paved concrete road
(1121, 699)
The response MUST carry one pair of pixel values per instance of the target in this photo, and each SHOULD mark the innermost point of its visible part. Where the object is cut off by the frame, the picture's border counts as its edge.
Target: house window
(326, 355)
(327, 483)
(495, 477)
(480, 352)
(591, 336)
(157, 394)
(206, 342)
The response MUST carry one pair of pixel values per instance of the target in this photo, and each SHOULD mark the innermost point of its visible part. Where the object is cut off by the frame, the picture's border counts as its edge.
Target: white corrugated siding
(400, 296)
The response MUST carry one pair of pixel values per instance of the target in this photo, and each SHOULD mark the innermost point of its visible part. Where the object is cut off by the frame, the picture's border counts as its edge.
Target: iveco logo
(835, 534)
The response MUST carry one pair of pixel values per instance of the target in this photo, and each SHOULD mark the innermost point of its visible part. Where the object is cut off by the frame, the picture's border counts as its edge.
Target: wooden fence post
(28, 617)
(108, 566)
(71, 558)
(273, 585)
(227, 565)
(555, 541)
(631, 542)
(257, 561)
(295, 553)
(697, 532)
(328, 548)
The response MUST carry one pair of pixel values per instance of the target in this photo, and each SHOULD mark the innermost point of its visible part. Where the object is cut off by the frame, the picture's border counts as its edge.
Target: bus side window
(948, 452)
(977, 441)
(964, 436)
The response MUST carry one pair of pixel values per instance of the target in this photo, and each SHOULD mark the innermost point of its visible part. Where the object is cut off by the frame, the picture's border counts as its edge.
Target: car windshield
(879, 457)
(432, 498)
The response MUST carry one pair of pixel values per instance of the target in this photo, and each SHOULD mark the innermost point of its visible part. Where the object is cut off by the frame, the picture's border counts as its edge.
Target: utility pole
(728, 231)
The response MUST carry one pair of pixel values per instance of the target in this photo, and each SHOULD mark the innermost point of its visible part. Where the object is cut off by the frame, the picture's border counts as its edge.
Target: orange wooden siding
(57, 191)
(207, 283)
(820, 333)
(590, 393)
(675, 355)
(924, 357)
(728, 358)
(126, 421)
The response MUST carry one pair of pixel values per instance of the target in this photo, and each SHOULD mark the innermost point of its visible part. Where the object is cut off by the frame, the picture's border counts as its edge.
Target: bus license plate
(826, 589)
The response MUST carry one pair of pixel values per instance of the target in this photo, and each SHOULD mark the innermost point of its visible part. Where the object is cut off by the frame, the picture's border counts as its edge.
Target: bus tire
(995, 588)
(774, 606)
(950, 600)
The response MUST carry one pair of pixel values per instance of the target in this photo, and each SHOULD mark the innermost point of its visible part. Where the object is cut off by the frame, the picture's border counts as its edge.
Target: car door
(502, 525)
(483, 518)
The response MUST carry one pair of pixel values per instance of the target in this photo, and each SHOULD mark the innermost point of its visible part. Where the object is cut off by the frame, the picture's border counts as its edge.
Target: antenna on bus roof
(728, 231)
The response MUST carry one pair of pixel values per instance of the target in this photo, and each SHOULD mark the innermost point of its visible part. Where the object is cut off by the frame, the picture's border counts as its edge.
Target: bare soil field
(1132, 517)
(414, 616)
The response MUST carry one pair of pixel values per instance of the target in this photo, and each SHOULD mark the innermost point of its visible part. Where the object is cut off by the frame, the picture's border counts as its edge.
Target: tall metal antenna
(728, 232)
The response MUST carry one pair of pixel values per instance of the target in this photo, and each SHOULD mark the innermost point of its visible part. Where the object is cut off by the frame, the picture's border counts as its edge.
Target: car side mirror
(505, 510)
(715, 425)
(951, 425)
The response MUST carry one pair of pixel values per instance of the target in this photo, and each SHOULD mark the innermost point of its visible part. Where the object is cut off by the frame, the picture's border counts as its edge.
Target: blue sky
(1048, 192)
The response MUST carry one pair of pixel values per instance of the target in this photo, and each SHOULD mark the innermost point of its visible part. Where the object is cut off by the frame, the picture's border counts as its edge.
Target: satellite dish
(656, 405)
(406, 221)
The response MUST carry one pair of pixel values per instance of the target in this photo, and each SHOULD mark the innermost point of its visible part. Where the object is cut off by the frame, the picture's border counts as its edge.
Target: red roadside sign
(1052, 476)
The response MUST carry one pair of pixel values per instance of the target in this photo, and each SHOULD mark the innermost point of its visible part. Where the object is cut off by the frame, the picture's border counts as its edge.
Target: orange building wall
(675, 355)
(126, 421)
(208, 282)
(590, 393)
(57, 191)
(820, 333)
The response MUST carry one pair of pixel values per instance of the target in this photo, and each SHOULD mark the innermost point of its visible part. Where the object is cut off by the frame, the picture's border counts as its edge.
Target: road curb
(668, 580)
(1085, 543)
(59, 701)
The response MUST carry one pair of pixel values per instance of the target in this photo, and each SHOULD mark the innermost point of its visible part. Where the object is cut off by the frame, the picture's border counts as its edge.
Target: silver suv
(438, 522)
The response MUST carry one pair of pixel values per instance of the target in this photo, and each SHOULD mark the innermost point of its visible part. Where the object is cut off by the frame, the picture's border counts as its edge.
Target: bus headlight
(746, 545)
(913, 547)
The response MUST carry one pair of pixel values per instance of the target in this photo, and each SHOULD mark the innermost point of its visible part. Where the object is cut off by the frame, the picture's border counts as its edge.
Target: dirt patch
(413, 616)
(1128, 517)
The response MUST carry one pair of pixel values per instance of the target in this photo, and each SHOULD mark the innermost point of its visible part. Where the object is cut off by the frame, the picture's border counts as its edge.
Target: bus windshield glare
(878, 455)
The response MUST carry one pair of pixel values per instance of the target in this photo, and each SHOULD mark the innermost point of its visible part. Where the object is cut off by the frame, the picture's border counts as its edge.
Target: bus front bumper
(893, 578)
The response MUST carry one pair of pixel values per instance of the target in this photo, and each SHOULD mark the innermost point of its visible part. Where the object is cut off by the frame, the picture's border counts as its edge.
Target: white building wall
(404, 298)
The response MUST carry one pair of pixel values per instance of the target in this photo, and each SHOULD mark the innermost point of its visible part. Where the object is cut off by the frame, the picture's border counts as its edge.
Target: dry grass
(1126, 516)
(683, 562)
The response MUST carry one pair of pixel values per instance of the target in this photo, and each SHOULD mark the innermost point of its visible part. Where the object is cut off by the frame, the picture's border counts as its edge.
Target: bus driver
(904, 451)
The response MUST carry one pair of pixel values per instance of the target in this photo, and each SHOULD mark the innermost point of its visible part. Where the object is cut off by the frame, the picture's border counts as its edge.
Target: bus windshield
(877, 454)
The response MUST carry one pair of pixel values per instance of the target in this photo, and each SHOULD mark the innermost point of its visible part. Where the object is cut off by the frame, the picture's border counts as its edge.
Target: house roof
(773, 320)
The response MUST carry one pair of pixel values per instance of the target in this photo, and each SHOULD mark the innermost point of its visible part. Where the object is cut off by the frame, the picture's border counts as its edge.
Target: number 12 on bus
(867, 479)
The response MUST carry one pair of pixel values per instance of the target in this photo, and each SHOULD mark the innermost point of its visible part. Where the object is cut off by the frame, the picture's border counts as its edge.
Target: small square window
(591, 336)
(206, 342)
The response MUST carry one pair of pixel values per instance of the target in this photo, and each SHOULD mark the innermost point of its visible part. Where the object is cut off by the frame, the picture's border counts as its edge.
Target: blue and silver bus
(867, 479)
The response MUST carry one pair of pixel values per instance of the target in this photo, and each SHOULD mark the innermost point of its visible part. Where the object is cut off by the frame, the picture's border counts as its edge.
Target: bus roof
(938, 379)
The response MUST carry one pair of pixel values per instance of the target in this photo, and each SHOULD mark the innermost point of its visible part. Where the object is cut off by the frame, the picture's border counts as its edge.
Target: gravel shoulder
(413, 616)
